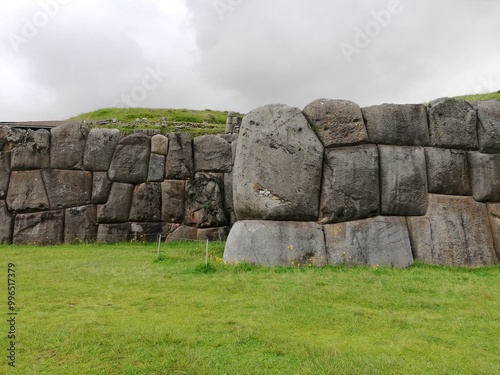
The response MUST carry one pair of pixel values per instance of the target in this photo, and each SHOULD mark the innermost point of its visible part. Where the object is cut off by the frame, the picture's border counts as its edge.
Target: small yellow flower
(290, 247)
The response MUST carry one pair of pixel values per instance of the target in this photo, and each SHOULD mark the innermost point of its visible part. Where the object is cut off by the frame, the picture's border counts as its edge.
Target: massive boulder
(378, 241)
(179, 164)
(455, 232)
(488, 131)
(146, 202)
(67, 188)
(100, 147)
(278, 166)
(159, 144)
(403, 180)
(397, 124)
(485, 176)
(276, 243)
(156, 171)
(6, 224)
(173, 196)
(100, 187)
(494, 215)
(447, 171)
(452, 124)
(117, 207)
(350, 189)
(212, 154)
(130, 163)
(27, 192)
(67, 146)
(113, 233)
(4, 173)
(32, 151)
(337, 122)
(41, 228)
(80, 224)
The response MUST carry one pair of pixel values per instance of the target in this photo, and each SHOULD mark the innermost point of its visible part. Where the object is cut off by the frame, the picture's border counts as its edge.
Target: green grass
(117, 309)
(481, 97)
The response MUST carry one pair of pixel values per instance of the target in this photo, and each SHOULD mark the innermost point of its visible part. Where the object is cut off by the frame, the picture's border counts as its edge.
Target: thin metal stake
(159, 244)
(206, 255)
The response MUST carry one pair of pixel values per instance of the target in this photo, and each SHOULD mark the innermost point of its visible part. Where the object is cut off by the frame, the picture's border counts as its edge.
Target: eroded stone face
(488, 130)
(67, 146)
(130, 163)
(32, 151)
(100, 147)
(278, 166)
(41, 228)
(27, 192)
(212, 154)
(448, 171)
(67, 188)
(179, 164)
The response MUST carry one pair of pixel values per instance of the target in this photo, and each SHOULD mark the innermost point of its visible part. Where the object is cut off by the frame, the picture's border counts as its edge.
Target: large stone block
(173, 198)
(113, 233)
(80, 224)
(448, 171)
(488, 131)
(67, 146)
(67, 188)
(276, 243)
(179, 164)
(213, 234)
(159, 144)
(494, 215)
(397, 124)
(156, 172)
(100, 147)
(32, 151)
(350, 189)
(27, 192)
(101, 187)
(147, 232)
(403, 180)
(6, 224)
(485, 176)
(378, 241)
(146, 202)
(337, 122)
(278, 166)
(204, 203)
(212, 154)
(4, 173)
(183, 233)
(455, 232)
(42, 228)
(130, 163)
(4, 131)
(228, 191)
(117, 208)
(452, 124)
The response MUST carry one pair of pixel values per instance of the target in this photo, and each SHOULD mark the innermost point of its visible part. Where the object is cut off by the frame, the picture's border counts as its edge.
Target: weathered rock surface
(173, 192)
(67, 188)
(378, 241)
(183, 233)
(494, 215)
(67, 146)
(117, 208)
(350, 189)
(4, 131)
(80, 224)
(204, 204)
(447, 171)
(397, 124)
(228, 191)
(6, 224)
(337, 122)
(146, 202)
(4, 173)
(485, 176)
(41, 228)
(179, 164)
(130, 163)
(488, 131)
(27, 192)
(213, 234)
(403, 180)
(113, 233)
(32, 151)
(276, 243)
(455, 232)
(452, 123)
(278, 167)
(156, 172)
(100, 187)
(147, 232)
(212, 154)
(159, 144)
(100, 147)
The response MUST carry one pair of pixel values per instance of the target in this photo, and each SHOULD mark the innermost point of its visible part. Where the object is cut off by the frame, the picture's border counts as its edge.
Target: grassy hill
(480, 97)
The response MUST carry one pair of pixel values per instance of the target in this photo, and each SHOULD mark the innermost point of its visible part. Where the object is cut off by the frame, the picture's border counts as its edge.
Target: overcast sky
(60, 58)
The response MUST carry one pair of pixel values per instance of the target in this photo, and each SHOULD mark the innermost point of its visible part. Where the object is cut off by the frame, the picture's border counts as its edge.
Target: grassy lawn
(116, 309)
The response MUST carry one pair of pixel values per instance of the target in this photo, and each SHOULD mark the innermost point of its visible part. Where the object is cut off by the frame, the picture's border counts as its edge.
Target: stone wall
(79, 184)
(382, 185)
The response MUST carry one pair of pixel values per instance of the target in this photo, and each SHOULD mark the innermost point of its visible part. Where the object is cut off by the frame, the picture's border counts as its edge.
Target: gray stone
(234, 147)
(146, 202)
(397, 124)
(100, 147)
(80, 224)
(42, 228)
(100, 187)
(350, 189)
(6, 224)
(159, 144)
(117, 208)
(113, 233)
(67, 188)
(485, 176)
(447, 171)
(278, 166)
(67, 146)
(27, 192)
(494, 215)
(452, 124)
(147, 232)
(228, 191)
(488, 131)
(183, 233)
(33, 152)
(15, 137)
(204, 204)
(4, 173)
(172, 193)
(156, 172)
(4, 131)
(455, 232)
(378, 241)
(130, 163)
(337, 122)
(179, 164)
(276, 243)
(403, 181)
(212, 154)
(213, 234)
